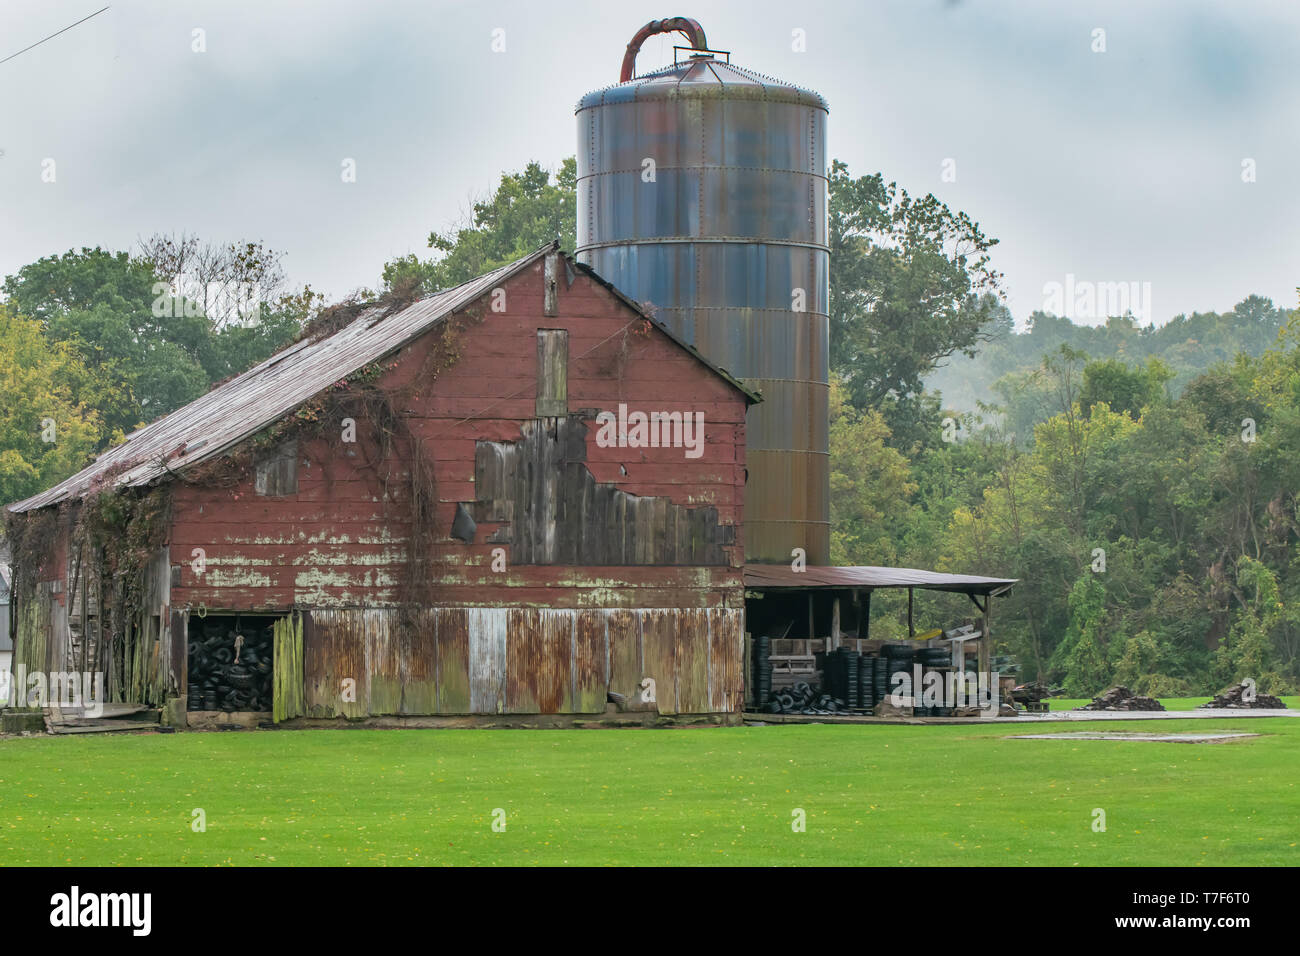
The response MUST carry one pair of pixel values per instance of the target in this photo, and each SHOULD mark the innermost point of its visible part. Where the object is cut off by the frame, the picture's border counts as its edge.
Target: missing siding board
(553, 511)
(277, 474)
(552, 373)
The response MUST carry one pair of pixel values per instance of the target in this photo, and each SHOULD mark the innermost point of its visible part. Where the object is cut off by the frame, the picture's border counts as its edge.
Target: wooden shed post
(987, 639)
(835, 622)
(85, 617)
(985, 645)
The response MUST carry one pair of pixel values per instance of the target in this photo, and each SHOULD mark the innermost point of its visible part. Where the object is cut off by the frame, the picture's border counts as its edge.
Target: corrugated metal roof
(230, 413)
(783, 576)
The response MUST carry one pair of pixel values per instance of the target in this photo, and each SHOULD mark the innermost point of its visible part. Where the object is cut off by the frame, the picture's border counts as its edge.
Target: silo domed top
(703, 77)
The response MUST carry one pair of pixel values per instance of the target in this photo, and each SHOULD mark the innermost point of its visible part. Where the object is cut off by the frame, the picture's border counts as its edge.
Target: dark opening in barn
(230, 658)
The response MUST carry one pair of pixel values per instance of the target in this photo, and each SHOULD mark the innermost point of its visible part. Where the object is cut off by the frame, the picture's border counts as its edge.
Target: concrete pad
(1216, 737)
(1024, 719)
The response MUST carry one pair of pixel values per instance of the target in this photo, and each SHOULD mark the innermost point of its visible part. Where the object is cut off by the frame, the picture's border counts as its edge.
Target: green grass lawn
(916, 795)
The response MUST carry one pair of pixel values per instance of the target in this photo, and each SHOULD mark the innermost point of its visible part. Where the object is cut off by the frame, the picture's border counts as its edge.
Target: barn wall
(620, 564)
(361, 662)
(40, 610)
(340, 541)
(140, 663)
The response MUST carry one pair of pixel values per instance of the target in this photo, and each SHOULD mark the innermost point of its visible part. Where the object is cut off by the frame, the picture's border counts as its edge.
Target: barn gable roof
(238, 409)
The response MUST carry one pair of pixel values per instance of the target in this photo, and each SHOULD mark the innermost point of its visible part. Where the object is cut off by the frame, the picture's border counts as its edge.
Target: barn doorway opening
(231, 662)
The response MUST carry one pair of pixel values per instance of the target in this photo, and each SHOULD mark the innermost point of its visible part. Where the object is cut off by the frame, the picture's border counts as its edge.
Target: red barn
(518, 496)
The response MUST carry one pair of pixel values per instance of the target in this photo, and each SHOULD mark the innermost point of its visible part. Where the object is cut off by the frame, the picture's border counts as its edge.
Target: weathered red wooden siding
(339, 543)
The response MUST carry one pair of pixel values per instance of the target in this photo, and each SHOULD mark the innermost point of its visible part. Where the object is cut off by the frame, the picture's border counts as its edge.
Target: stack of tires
(896, 659)
(930, 659)
(841, 674)
(879, 679)
(867, 696)
(762, 666)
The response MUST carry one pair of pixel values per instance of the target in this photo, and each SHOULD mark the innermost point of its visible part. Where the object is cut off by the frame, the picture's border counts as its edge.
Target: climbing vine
(365, 397)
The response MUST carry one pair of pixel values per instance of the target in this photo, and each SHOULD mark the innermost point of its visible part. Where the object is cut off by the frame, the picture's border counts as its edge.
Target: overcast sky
(1115, 166)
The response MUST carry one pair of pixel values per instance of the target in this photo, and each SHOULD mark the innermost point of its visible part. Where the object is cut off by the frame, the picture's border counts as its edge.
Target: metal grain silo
(702, 193)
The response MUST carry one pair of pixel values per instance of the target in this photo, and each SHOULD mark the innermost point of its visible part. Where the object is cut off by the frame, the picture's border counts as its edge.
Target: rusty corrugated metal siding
(520, 660)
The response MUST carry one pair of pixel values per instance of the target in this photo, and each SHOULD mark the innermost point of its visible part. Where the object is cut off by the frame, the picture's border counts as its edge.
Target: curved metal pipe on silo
(702, 194)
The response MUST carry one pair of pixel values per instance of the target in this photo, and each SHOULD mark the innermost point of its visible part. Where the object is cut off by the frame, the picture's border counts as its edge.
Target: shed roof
(214, 423)
(761, 576)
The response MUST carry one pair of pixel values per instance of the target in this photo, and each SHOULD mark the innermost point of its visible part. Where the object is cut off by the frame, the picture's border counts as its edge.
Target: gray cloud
(1118, 166)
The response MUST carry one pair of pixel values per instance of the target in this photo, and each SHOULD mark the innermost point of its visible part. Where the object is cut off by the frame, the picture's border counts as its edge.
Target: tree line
(1140, 480)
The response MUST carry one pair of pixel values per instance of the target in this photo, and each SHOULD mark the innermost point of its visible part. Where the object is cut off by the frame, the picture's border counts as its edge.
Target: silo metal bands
(702, 193)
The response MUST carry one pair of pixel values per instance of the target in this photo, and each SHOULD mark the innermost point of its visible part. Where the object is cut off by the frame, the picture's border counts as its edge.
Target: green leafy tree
(1247, 650)
(147, 351)
(527, 210)
(1081, 656)
(45, 433)
(911, 284)
(1124, 389)
(870, 486)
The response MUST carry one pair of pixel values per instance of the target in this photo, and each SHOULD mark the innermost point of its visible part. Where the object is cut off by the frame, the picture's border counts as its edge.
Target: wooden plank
(335, 653)
(659, 646)
(288, 690)
(552, 372)
(523, 646)
(550, 284)
(624, 630)
(383, 661)
(727, 656)
(691, 655)
(453, 660)
(180, 665)
(487, 659)
(418, 650)
(554, 681)
(589, 663)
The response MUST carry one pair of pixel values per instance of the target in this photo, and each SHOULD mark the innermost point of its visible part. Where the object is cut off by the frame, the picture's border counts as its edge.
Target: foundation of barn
(612, 719)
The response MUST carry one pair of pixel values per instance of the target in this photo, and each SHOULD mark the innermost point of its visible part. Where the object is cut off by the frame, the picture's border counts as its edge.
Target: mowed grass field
(882, 795)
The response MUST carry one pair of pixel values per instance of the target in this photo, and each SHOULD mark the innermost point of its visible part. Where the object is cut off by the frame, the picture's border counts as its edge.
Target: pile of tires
(217, 681)
(803, 698)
